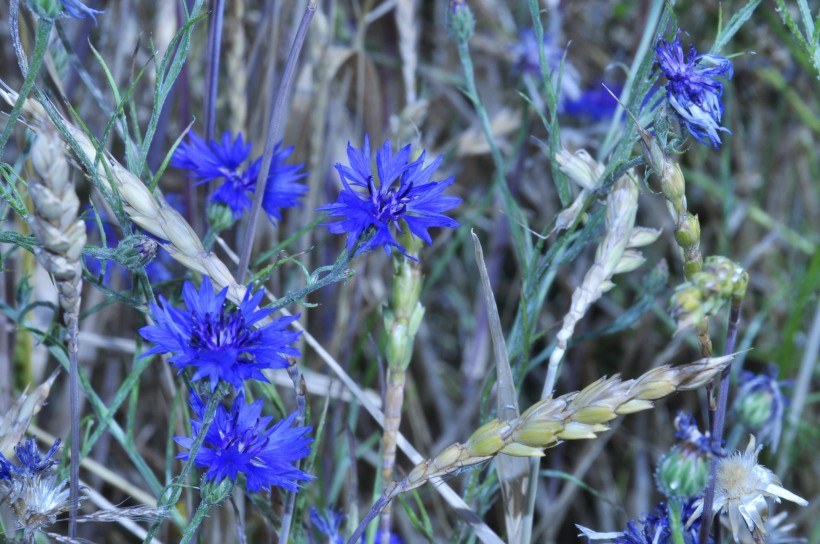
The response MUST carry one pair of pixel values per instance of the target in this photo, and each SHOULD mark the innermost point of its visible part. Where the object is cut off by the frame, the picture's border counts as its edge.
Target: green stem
(675, 524)
(192, 528)
(40, 46)
(168, 499)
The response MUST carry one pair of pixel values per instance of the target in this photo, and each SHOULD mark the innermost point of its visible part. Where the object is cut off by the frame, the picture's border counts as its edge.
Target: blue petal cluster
(240, 440)
(366, 203)
(652, 528)
(78, 10)
(693, 90)
(328, 523)
(208, 161)
(31, 462)
(218, 342)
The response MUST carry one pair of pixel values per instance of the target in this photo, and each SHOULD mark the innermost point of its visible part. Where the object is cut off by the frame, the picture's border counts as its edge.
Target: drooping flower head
(220, 343)
(744, 489)
(78, 10)
(693, 90)
(760, 405)
(367, 201)
(241, 440)
(209, 161)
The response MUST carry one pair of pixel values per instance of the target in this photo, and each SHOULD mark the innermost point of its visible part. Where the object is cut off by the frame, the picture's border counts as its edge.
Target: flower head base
(214, 160)
(683, 471)
(760, 405)
(240, 441)
(220, 343)
(416, 203)
(693, 90)
(743, 490)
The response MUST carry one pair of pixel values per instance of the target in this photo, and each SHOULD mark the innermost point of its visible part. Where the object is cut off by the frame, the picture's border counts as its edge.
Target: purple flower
(240, 441)
(208, 161)
(218, 342)
(78, 10)
(652, 528)
(31, 462)
(595, 104)
(416, 203)
(693, 90)
(527, 60)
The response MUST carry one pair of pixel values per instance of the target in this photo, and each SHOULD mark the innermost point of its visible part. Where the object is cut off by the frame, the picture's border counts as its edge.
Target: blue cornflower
(78, 10)
(417, 201)
(328, 523)
(652, 528)
(31, 462)
(693, 90)
(220, 343)
(240, 440)
(214, 160)
(595, 104)
(760, 405)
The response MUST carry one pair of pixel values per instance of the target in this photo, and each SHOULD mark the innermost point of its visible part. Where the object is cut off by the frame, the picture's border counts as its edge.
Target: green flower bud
(136, 251)
(460, 21)
(220, 216)
(683, 472)
(215, 493)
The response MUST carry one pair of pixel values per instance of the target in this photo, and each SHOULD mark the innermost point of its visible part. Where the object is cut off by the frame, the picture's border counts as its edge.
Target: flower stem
(214, 52)
(675, 525)
(275, 129)
(167, 499)
(402, 318)
(192, 527)
(290, 501)
(719, 418)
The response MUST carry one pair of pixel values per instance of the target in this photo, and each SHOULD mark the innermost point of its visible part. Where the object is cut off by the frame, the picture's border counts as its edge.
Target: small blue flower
(240, 441)
(417, 201)
(78, 10)
(693, 90)
(208, 161)
(596, 104)
(220, 343)
(328, 523)
(31, 462)
(760, 405)
(526, 60)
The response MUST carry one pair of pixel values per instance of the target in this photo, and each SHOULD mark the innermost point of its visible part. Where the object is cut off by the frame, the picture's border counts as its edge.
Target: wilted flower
(240, 441)
(693, 90)
(416, 203)
(760, 405)
(743, 490)
(31, 462)
(220, 343)
(214, 160)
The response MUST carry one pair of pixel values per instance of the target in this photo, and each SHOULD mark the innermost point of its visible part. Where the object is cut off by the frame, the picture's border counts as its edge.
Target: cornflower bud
(683, 471)
(136, 251)
(460, 21)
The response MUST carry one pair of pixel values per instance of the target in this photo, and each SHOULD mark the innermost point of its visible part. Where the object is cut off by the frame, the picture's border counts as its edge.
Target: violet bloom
(693, 90)
(209, 161)
(367, 201)
(218, 342)
(78, 10)
(241, 440)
